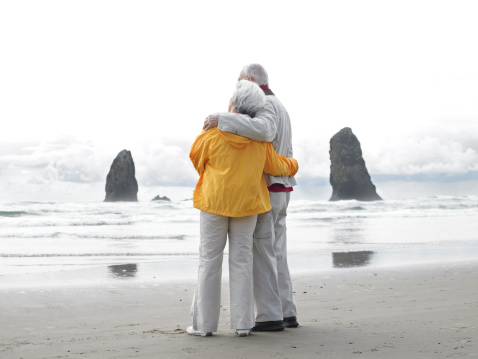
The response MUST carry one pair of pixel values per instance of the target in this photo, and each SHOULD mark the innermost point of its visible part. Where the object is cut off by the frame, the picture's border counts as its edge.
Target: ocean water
(54, 236)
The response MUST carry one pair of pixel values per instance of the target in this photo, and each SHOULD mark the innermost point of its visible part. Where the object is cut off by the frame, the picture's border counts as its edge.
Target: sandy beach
(419, 311)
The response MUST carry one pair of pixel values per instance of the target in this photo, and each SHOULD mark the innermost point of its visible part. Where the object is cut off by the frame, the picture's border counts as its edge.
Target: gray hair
(258, 72)
(248, 98)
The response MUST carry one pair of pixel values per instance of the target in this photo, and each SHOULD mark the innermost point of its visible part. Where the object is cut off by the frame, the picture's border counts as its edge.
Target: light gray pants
(273, 292)
(206, 302)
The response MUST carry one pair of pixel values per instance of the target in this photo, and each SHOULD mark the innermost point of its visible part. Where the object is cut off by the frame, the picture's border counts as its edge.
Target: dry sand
(425, 311)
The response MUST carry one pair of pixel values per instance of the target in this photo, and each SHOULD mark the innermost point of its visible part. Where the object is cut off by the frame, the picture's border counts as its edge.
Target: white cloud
(450, 150)
(46, 168)
(65, 160)
(71, 159)
(158, 163)
(313, 158)
(445, 148)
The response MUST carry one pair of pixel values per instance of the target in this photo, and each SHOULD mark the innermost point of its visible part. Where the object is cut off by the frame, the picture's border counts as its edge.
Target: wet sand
(419, 311)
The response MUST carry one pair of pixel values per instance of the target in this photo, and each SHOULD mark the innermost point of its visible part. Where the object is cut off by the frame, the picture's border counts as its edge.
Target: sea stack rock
(121, 184)
(348, 175)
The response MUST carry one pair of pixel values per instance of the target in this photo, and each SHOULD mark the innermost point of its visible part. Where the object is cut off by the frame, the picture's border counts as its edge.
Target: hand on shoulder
(211, 121)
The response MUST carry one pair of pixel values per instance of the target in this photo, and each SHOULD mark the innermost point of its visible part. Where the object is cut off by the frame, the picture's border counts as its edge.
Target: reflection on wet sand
(351, 259)
(124, 270)
(348, 231)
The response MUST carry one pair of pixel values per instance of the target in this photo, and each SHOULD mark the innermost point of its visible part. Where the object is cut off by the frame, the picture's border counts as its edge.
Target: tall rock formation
(348, 175)
(121, 184)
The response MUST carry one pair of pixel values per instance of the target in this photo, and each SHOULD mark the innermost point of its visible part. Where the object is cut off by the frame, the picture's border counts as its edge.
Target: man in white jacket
(273, 292)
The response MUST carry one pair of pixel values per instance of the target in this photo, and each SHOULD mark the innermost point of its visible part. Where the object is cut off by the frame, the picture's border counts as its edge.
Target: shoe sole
(242, 332)
(267, 329)
(208, 334)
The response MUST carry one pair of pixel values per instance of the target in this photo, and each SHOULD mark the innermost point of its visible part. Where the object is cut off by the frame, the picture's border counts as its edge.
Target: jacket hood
(235, 141)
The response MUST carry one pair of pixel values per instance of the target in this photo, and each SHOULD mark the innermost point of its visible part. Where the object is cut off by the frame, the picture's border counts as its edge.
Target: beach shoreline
(14, 274)
(414, 311)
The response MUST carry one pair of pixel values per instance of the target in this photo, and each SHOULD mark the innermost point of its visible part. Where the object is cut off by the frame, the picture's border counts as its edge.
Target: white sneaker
(243, 332)
(192, 331)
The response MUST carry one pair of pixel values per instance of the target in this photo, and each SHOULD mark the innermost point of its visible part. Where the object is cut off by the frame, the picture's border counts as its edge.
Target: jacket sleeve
(199, 153)
(261, 128)
(276, 165)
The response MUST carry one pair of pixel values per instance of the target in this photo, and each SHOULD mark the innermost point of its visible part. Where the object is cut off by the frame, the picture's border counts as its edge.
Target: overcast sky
(80, 81)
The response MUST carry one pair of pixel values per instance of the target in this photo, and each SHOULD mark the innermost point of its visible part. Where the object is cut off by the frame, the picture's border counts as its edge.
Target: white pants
(206, 302)
(273, 292)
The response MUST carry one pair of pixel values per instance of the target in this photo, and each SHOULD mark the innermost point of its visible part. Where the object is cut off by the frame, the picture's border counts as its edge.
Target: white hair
(248, 98)
(258, 72)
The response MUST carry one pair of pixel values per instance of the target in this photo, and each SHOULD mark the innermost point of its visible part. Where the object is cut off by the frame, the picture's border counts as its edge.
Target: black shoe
(291, 322)
(273, 326)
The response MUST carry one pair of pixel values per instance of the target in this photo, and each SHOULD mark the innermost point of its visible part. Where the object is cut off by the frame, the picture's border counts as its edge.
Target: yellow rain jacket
(231, 167)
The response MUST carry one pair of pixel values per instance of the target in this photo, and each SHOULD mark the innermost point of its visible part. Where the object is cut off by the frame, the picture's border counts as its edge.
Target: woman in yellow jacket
(231, 191)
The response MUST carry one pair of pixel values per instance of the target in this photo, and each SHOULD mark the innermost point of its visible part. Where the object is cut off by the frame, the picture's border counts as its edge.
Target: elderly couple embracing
(246, 176)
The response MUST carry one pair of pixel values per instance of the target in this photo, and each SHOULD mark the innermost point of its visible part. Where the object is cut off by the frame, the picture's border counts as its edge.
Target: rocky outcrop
(157, 198)
(348, 175)
(121, 184)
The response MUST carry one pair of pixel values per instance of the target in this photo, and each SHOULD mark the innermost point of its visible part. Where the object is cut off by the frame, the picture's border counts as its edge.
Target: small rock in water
(157, 198)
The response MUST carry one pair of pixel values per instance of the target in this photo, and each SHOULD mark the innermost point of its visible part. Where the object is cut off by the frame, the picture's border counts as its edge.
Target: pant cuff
(242, 325)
